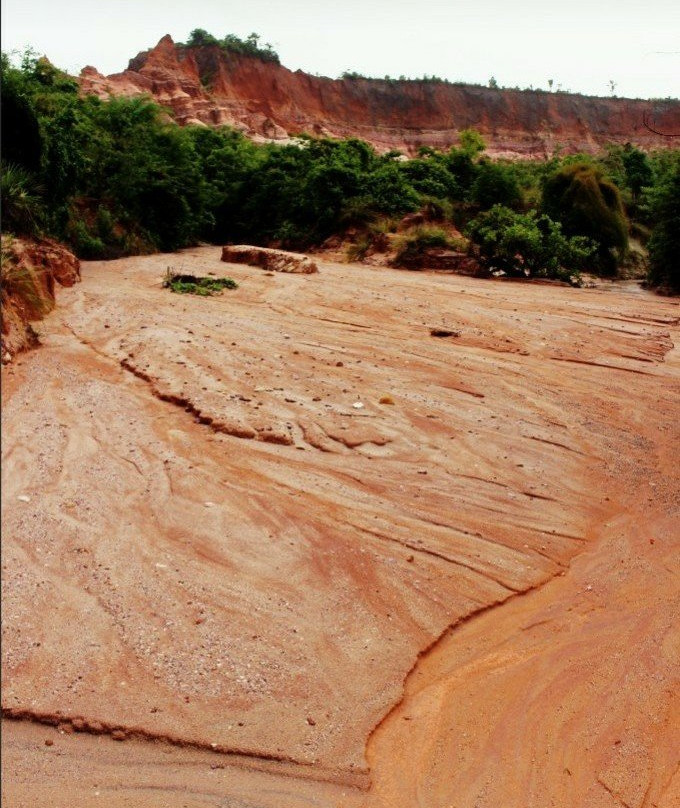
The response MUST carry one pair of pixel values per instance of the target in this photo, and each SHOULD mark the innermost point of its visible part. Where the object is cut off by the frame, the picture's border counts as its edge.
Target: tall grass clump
(22, 206)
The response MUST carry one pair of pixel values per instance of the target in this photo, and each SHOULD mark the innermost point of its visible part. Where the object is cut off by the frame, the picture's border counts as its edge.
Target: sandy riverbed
(224, 573)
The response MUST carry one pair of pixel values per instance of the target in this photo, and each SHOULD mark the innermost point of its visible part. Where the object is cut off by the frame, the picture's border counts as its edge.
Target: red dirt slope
(268, 101)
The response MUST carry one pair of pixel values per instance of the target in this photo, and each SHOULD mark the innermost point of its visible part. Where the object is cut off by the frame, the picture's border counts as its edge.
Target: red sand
(229, 567)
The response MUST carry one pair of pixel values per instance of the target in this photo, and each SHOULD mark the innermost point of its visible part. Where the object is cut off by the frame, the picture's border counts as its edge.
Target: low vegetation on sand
(115, 178)
(183, 284)
(413, 247)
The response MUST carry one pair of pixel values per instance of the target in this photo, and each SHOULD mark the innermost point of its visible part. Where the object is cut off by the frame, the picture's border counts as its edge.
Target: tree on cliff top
(199, 37)
(250, 46)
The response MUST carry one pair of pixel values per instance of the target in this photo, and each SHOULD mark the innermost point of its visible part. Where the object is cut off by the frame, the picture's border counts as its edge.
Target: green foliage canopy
(230, 43)
(664, 245)
(529, 244)
(589, 204)
(118, 177)
(495, 184)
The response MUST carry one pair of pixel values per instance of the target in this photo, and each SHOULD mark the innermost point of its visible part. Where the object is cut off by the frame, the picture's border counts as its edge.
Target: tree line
(118, 177)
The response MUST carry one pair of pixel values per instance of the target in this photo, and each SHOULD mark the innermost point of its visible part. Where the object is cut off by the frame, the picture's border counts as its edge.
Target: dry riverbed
(283, 547)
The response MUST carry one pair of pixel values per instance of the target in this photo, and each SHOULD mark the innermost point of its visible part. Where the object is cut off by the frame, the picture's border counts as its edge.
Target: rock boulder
(272, 260)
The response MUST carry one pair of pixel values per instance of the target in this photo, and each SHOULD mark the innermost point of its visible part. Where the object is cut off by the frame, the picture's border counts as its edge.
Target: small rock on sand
(444, 332)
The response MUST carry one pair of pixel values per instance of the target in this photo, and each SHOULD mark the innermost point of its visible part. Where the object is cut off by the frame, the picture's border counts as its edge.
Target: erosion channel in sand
(289, 549)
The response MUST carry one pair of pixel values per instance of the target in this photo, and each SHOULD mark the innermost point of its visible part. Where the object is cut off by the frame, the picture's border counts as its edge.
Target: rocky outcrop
(444, 259)
(206, 85)
(272, 260)
(52, 259)
(30, 270)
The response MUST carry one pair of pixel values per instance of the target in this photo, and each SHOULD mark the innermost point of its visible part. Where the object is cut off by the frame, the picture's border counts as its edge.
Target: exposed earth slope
(268, 101)
(30, 272)
(463, 591)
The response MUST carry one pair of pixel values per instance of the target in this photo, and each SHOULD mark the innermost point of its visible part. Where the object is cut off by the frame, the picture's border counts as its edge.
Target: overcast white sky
(581, 44)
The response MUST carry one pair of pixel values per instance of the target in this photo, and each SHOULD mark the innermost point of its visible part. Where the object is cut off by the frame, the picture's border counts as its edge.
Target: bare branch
(646, 118)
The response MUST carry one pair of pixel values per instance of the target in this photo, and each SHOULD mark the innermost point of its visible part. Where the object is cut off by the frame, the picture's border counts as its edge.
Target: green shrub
(664, 245)
(437, 210)
(358, 250)
(430, 177)
(199, 37)
(374, 239)
(588, 204)
(357, 211)
(391, 192)
(412, 248)
(183, 284)
(463, 168)
(86, 244)
(22, 207)
(495, 184)
(631, 170)
(527, 244)
(471, 142)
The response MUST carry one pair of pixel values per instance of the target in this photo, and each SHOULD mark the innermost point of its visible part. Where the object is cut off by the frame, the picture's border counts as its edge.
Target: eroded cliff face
(31, 270)
(267, 101)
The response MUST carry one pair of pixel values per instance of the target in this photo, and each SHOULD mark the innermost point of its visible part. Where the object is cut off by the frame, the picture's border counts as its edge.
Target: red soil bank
(268, 101)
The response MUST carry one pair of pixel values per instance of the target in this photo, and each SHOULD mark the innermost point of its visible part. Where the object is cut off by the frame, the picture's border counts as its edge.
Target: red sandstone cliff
(268, 101)
(30, 270)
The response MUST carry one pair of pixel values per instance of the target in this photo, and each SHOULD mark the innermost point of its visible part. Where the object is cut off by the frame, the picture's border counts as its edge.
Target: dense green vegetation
(664, 245)
(118, 177)
(528, 244)
(250, 46)
(588, 204)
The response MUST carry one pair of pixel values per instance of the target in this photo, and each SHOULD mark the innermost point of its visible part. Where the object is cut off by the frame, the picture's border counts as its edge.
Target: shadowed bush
(495, 184)
(664, 245)
(22, 207)
(412, 248)
(589, 204)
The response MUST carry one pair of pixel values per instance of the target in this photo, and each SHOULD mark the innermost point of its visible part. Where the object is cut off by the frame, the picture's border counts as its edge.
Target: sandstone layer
(269, 102)
(284, 547)
(269, 259)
